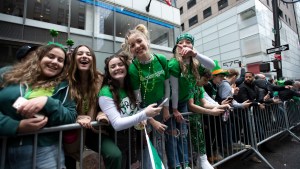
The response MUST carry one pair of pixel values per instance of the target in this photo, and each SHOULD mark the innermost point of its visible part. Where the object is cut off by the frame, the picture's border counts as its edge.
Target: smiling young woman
(40, 81)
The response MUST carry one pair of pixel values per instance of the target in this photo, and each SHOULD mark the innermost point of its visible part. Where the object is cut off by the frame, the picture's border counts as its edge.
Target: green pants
(112, 156)
(197, 137)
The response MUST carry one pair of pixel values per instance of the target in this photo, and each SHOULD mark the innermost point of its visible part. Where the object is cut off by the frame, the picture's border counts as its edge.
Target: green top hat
(218, 70)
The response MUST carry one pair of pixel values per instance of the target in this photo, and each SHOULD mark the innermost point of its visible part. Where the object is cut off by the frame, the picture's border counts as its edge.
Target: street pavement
(286, 155)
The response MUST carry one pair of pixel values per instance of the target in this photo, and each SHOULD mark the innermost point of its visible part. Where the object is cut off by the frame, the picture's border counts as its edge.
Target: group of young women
(134, 82)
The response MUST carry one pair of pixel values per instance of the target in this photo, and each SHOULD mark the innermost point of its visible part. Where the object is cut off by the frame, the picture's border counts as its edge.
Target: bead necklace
(143, 79)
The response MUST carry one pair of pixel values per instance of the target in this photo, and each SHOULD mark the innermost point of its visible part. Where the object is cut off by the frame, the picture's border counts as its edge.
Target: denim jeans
(177, 144)
(22, 157)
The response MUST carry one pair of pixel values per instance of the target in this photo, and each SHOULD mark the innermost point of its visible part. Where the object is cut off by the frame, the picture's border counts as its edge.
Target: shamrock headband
(186, 36)
(57, 44)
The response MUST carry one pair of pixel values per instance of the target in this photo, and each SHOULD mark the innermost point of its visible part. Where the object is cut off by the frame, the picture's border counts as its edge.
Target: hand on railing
(178, 116)
(102, 117)
(158, 126)
(216, 111)
(31, 124)
(246, 104)
(84, 121)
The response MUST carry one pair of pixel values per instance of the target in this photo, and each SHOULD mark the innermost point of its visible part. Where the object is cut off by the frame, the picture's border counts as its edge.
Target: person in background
(149, 76)
(184, 70)
(211, 88)
(200, 106)
(226, 91)
(45, 102)
(118, 102)
(249, 91)
(85, 83)
(21, 55)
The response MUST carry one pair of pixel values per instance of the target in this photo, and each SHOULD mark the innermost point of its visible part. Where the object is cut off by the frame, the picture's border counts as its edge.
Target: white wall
(157, 9)
(243, 33)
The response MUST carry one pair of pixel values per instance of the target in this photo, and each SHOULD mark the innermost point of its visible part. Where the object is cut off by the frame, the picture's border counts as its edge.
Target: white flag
(154, 157)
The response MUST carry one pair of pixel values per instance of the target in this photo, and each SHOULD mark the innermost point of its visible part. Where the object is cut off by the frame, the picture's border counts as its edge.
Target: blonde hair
(29, 72)
(141, 30)
(194, 65)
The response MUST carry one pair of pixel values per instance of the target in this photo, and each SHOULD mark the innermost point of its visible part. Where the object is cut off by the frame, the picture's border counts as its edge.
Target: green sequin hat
(183, 36)
(218, 70)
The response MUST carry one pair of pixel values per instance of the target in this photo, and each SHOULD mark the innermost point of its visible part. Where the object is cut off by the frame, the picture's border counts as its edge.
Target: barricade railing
(243, 131)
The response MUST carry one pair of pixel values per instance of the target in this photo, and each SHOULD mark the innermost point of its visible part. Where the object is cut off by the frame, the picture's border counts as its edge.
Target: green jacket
(59, 109)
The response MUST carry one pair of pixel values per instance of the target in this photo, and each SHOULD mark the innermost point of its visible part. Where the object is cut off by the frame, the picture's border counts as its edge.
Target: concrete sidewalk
(286, 155)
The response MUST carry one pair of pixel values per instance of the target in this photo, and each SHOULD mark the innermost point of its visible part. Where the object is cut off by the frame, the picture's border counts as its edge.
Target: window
(268, 3)
(280, 13)
(290, 21)
(191, 3)
(15, 8)
(207, 12)
(193, 20)
(222, 4)
(285, 18)
(182, 27)
(181, 10)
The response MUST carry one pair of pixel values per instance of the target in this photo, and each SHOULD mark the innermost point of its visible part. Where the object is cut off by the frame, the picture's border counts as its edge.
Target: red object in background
(277, 56)
(168, 2)
(253, 67)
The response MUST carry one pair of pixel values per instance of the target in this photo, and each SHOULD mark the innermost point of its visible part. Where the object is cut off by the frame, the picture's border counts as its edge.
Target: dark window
(181, 10)
(280, 13)
(207, 12)
(182, 27)
(290, 21)
(285, 18)
(193, 20)
(268, 3)
(191, 3)
(222, 4)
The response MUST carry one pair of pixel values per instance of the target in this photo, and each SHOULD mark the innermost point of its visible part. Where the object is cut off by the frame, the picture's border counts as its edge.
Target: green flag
(154, 157)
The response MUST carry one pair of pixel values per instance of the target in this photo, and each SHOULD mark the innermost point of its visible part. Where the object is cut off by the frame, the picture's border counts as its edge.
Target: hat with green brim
(218, 70)
(186, 36)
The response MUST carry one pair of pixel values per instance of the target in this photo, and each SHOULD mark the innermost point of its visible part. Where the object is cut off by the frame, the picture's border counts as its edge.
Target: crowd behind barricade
(49, 87)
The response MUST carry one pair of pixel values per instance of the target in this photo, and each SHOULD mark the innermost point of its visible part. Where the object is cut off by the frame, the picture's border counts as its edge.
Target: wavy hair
(30, 72)
(114, 85)
(95, 78)
(141, 30)
(194, 65)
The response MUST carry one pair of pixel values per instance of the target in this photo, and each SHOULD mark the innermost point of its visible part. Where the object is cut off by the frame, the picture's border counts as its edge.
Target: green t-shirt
(127, 109)
(186, 82)
(149, 78)
(197, 94)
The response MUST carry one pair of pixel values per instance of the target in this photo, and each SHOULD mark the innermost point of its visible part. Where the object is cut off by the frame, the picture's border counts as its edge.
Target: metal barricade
(244, 131)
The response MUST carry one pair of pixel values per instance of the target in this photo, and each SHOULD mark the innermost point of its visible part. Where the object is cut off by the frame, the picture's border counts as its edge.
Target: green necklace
(145, 80)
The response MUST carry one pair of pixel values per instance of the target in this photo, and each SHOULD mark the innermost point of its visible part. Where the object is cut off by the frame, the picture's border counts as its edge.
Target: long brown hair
(193, 63)
(29, 72)
(114, 85)
(95, 78)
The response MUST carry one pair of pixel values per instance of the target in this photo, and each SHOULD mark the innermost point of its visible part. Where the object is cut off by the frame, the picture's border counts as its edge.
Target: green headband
(57, 44)
(185, 36)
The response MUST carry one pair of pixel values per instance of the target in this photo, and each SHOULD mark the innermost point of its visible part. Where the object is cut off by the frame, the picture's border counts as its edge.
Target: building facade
(241, 30)
(99, 24)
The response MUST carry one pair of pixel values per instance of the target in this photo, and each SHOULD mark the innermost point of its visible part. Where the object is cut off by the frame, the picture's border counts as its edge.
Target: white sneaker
(202, 162)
